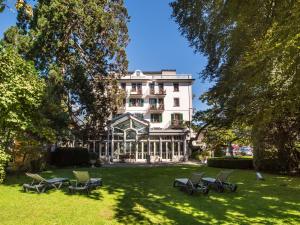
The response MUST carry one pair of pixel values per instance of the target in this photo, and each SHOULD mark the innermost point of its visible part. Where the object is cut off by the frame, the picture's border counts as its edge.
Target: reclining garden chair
(40, 184)
(83, 182)
(192, 184)
(220, 183)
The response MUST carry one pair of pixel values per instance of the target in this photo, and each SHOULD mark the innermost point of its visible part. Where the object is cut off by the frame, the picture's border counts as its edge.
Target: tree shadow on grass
(19, 179)
(156, 201)
(146, 196)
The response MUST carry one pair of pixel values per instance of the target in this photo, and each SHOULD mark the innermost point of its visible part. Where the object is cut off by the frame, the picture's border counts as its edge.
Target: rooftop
(165, 74)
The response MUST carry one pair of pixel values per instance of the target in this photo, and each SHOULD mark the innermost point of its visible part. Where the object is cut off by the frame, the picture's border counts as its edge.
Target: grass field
(146, 196)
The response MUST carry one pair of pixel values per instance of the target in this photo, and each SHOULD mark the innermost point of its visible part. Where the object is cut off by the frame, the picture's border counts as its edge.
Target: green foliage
(3, 160)
(83, 43)
(253, 58)
(2, 5)
(21, 93)
(231, 163)
(218, 138)
(80, 50)
(28, 154)
(219, 151)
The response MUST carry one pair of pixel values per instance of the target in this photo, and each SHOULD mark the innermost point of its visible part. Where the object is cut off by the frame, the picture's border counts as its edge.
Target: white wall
(184, 95)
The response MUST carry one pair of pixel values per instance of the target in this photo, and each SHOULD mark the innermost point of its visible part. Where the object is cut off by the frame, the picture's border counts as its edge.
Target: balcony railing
(155, 108)
(160, 92)
(136, 92)
(178, 124)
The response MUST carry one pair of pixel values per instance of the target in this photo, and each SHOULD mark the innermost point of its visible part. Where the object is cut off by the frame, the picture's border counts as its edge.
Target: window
(177, 117)
(151, 86)
(124, 102)
(176, 87)
(176, 102)
(161, 86)
(133, 87)
(152, 101)
(136, 102)
(123, 86)
(136, 87)
(161, 103)
(156, 118)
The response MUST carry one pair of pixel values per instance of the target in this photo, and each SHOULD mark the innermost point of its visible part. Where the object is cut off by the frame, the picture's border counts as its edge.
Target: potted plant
(93, 158)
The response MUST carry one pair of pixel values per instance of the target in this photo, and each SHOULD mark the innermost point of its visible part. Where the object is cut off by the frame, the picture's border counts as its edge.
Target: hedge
(65, 156)
(231, 163)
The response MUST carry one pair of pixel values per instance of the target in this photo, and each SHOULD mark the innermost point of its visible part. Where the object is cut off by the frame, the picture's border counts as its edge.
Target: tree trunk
(190, 144)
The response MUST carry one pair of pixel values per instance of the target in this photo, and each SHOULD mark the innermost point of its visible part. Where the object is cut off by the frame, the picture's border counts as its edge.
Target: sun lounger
(192, 185)
(220, 183)
(83, 182)
(41, 184)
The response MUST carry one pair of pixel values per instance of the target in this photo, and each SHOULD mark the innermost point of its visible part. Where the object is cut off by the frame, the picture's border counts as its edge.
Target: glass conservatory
(130, 139)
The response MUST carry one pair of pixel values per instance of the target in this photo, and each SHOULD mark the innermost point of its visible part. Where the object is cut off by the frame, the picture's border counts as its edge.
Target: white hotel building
(154, 122)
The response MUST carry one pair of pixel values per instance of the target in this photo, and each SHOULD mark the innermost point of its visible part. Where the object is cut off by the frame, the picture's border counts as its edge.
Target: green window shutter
(160, 118)
(181, 116)
(142, 102)
(172, 117)
(130, 102)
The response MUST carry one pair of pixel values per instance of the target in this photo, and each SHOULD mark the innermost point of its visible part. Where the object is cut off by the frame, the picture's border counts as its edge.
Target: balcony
(155, 108)
(136, 93)
(159, 93)
(178, 124)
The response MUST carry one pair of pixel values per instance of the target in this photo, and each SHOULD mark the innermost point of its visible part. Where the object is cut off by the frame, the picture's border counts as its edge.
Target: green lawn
(145, 195)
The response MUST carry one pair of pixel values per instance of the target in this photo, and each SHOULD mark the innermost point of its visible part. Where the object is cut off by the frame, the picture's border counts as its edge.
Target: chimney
(168, 72)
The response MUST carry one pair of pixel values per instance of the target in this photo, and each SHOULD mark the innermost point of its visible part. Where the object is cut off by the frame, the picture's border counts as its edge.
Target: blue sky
(155, 42)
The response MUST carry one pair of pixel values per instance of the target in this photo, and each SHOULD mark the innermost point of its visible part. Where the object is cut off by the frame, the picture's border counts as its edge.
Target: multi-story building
(154, 121)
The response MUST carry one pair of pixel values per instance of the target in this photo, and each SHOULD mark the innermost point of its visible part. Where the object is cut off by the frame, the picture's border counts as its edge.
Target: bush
(200, 155)
(3, 160)
(65, 156)
(196, 155)
(219, 152)
(231, 163)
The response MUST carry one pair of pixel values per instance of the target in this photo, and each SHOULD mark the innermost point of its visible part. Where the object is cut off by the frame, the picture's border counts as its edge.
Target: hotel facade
(153, 125)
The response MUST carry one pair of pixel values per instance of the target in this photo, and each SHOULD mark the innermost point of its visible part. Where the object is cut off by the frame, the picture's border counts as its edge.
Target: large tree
(82, 44)
(253, 58)
(21, 93)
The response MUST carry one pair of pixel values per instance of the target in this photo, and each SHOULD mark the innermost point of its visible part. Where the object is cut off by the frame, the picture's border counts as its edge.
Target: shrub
(200, 155)
(3, 160)
(219, 152)
(28, 155)
(231, 163)
(65, 156)
(196, 155)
